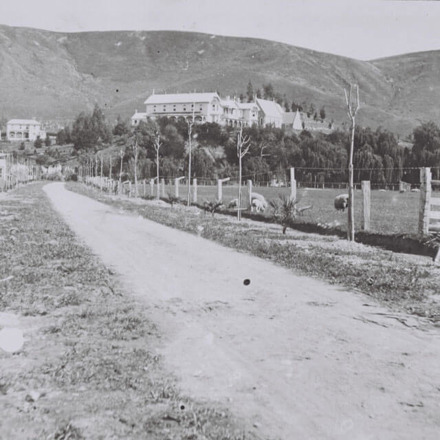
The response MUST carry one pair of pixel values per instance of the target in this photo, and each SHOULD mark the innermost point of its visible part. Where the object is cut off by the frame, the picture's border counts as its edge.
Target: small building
(271, 113)
(137, 118)
(24, 130)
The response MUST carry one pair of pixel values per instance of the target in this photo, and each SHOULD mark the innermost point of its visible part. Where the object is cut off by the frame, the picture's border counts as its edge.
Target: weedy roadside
(88, 368)
(400, 281)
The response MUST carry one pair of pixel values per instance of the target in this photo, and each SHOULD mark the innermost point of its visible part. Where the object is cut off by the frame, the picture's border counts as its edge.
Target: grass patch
(88, 368)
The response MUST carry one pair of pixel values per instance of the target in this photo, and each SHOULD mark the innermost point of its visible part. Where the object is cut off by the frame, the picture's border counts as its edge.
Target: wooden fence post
(162, 184)
(144, 185)
(219, 190)
(194, 190)
(249, 185)
(425, 196)
(292, 184)
(152, 187)
(176, 185)
(366, 204)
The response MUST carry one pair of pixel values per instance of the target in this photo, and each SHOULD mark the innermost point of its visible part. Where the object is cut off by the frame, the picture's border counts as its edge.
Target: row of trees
(317, 158)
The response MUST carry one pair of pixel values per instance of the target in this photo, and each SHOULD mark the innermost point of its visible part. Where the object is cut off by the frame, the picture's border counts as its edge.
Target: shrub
(213, 206)
(284, 211)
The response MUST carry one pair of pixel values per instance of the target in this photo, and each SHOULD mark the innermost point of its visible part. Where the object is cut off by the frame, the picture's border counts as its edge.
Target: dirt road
(294, 357)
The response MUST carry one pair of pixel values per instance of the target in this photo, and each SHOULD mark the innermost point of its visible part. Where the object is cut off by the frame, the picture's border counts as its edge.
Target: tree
(243, 145)
(268, 91)
(38, 143)
(121, 127)
(426, 149)
(250, 92)
(190, 123)
(157, 143)
(136, 156)
(47, 141)
(84, 136)
(322, 113)
(353, 105)
(88, 130)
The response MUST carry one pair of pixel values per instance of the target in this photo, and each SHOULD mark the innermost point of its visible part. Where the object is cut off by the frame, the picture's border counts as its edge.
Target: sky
(361, 29)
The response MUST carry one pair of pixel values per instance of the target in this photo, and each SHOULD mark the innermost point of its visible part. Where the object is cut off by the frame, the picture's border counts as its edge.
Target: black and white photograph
(219, 220)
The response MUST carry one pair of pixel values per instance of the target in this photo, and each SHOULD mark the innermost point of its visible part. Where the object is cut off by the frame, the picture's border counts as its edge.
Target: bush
(38, 142)
(72, 177)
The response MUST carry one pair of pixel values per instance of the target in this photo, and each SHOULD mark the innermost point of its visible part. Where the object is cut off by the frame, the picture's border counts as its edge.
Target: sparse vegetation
(375, 272)
(213, 206)
(283, 211)
(87, 369)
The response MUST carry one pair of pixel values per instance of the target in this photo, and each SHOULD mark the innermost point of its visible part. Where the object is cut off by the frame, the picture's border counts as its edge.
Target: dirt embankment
(293, 356)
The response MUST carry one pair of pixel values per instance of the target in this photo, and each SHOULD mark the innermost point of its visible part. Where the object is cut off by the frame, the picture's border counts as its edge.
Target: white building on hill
(271, 113)
(210, 107)
(24, 130)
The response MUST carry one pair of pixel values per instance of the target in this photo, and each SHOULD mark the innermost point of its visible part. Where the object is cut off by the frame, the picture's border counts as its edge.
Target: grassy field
(391, 212)
(405, 282)
(88, 368)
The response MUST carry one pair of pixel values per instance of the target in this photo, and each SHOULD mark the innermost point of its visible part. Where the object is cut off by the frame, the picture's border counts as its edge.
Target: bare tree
(190, 123)
(136, 155)
(101, 159)
(243, 145)
(121, 155)
(353, 103)
(157, 144)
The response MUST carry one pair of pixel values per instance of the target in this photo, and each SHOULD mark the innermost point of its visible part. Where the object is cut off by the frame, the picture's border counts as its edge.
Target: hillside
(55, 75)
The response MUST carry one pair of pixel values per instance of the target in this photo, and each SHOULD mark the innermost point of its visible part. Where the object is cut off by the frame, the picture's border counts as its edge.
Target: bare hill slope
(56, 75)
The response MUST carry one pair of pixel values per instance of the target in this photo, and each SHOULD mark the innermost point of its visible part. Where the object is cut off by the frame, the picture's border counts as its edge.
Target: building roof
(24, 121)
(181, 98)
(270, 108)
(248, 105)
(230, 103)
(289, 117)
(139, 115)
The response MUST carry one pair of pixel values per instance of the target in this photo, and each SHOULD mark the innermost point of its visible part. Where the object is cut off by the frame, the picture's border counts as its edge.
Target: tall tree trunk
(157, 175)
(239, 189)
(353, 105)
(350, 225)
